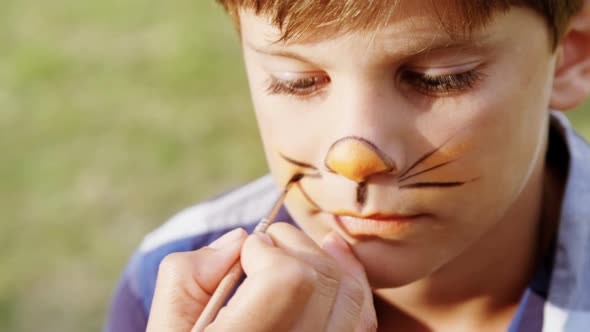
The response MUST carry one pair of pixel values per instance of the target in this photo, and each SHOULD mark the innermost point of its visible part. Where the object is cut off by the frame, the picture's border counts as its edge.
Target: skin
(428, 267)
(486, 126)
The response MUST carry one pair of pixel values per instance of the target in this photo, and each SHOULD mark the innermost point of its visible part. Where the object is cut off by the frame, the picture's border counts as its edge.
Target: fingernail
(334, 240)
(342, 252)
(265, 238)
(227, 239)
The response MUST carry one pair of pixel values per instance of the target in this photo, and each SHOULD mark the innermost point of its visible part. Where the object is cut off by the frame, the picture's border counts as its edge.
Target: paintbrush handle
(262, 225)
(219, 297)
(225, 287)
(229, 282)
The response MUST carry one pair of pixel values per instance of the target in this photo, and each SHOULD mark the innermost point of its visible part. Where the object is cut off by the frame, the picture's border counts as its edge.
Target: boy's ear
(572, 77)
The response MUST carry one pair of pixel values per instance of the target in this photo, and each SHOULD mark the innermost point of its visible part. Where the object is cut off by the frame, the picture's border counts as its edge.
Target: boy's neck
(499, 267)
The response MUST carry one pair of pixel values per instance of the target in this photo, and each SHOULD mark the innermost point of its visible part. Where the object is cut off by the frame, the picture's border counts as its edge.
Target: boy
(439, 191)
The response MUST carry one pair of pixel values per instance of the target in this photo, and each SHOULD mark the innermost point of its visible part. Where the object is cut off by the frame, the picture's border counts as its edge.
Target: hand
(292, 285)
(186, 281)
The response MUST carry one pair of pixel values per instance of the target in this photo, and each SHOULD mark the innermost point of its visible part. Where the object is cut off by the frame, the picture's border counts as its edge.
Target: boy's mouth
(389, 225)
(376, 224)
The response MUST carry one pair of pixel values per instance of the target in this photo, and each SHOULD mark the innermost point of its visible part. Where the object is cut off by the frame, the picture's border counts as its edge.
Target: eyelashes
(440, 85)
(302, 87)
(424, 83)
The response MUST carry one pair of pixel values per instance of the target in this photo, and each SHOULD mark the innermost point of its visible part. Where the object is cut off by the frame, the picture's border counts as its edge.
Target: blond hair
(298, 19)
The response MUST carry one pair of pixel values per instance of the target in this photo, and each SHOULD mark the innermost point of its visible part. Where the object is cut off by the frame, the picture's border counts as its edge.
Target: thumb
(341, 251)
(186, 281)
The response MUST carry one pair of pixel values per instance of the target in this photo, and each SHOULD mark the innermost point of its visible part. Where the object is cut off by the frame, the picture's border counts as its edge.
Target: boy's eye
(429, 84)
(441, 85)
(302, 87)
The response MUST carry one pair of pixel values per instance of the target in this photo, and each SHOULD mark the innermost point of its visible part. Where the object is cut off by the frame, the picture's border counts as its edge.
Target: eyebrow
(460, 43)
(278, 53)
(455, 42)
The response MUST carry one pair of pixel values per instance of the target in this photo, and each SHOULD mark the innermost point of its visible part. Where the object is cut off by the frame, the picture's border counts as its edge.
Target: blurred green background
(114, 115)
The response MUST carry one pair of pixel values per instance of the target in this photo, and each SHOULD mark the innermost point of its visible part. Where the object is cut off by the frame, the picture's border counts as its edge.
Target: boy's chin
(399, 267)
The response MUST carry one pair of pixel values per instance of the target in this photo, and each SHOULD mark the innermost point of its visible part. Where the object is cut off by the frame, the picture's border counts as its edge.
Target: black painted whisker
(298, 163)
(312, 175)
(361, 193)
(309, 199)
(423, 158)
(432, 184)
(418, 162)
(426, 170)
(449, 184)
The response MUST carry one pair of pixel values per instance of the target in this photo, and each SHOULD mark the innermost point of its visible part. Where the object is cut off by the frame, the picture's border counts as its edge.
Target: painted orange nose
(357, 159)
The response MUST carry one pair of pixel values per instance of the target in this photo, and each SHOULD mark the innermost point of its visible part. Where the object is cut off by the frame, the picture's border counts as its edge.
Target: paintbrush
(234, 274)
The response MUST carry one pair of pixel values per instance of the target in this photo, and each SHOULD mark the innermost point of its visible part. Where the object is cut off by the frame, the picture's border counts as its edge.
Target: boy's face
(415, 144)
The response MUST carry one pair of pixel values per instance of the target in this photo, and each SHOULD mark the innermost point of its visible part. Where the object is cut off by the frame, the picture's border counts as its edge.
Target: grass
(113, 116)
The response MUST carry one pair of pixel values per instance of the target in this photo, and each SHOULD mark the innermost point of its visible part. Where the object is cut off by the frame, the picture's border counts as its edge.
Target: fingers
(186, 281)
(326, 276)
(294, 285)
(273, 296)
(353, 309)
(295, 243)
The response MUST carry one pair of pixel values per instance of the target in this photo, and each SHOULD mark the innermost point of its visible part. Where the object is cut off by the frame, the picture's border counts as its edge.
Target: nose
(357, 158)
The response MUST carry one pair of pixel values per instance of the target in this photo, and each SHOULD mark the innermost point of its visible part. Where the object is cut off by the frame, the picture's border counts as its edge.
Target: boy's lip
(389, 225)
(378, 216)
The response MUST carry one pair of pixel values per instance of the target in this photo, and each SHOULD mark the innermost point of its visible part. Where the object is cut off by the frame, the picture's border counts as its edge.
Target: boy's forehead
(412, 33)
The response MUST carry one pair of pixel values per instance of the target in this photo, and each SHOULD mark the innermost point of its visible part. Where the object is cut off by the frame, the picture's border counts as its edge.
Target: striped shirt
(557, 299)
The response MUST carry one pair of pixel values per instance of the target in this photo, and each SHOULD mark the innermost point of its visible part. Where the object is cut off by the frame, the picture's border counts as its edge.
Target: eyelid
(293, 76)
(445, 70)
(442, 85)
(303, 87)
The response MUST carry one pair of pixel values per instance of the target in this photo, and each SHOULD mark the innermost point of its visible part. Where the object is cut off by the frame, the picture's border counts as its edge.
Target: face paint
(361, 193)
(432, 161)
(299, 163)
(357, 158)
